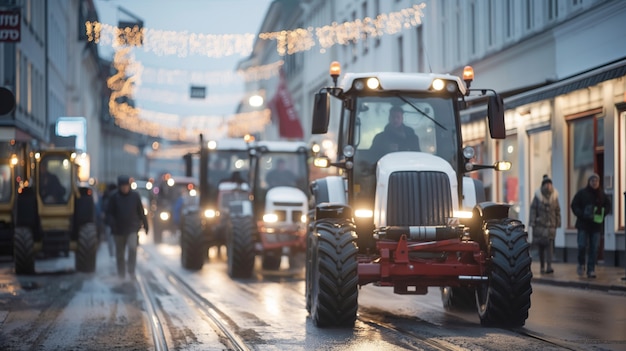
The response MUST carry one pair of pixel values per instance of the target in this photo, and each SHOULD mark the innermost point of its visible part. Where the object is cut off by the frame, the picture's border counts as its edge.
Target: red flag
(288, 119)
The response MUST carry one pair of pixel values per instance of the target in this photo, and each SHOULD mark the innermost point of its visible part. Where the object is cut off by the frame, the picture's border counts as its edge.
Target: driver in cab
(396, 136)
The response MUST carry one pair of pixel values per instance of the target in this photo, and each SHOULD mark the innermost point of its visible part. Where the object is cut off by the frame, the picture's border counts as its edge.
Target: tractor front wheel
(333, 273)
(192, 251)
(24, 251)
(504, 300)
(87, 248)
(240, 247)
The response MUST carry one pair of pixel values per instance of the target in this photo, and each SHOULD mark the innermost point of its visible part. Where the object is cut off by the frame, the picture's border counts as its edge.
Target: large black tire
(192, 247)
(334, 274)
(271, 259)
(308, 266)
(24, 250)
(458, 298)
(505, 299)
(240, 247)
(86, 248)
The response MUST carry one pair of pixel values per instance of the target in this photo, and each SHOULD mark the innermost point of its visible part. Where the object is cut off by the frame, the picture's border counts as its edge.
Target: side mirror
(321, 113)
(495, 114)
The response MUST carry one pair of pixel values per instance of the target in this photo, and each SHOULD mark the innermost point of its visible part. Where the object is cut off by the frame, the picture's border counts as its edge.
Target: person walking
(545, 218)
(590, 205)
(126, 216)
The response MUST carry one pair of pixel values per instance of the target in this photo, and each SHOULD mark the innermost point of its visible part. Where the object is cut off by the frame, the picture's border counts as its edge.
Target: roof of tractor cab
(235, 144)
(281, 146)
(398, 81)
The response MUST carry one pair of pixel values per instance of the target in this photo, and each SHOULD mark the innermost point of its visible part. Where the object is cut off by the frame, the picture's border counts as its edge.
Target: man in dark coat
(396, 136)
(125, 215)
(590, 205)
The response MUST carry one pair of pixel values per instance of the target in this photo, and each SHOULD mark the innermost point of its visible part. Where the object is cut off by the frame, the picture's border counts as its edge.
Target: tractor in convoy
(12, 171)
(53, 213)
(271, 222)
(404, 213)
(222, 177)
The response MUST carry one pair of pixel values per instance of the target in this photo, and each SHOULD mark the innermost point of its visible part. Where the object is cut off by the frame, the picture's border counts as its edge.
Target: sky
(192, 16)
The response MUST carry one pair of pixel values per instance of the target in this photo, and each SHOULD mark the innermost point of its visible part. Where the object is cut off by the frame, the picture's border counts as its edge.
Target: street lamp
(255, 100)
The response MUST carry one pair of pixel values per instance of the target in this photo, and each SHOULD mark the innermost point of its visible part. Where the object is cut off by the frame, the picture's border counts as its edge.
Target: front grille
(418, 198)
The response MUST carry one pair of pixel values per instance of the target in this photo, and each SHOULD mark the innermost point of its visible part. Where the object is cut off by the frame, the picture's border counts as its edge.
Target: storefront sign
(10, 26)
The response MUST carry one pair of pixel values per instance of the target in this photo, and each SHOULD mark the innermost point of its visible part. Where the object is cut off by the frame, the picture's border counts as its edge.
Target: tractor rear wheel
(240, 247)
(24, 250)
(87, 248)
(192, 252)
(504, 300)
(333, 273)
(458, 298)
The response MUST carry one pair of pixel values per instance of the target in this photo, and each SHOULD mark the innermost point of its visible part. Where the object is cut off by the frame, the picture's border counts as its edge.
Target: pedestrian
(109, 191)
(126, 216)
(590, 205)
(545, 218)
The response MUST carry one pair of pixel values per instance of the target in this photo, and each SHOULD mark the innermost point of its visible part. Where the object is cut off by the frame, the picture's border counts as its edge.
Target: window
(18, 77)
(491, 12)
(508, 14)
(364, 34)
(552, 11)
(400, 54)
(420, 50)
(353, 45)
(540, 160)
(621, 175)
(472, 28)
(582, 144)
(529, 14)
(376, 13)
(510, 180)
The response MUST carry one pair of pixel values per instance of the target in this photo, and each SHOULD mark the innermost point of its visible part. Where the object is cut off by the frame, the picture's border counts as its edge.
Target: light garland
(288, 42)
(175, 127)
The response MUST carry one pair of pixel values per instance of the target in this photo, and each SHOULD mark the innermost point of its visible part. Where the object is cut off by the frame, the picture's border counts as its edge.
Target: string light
(170, 126)
(288, 42)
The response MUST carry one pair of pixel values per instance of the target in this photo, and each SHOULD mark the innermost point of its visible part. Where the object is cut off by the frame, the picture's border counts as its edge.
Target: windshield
(385, 124)
(282, 169)
(225, 165)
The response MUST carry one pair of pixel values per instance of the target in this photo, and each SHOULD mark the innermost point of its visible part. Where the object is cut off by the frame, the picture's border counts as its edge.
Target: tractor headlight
(462, 214)
(363, 213)
(303, 218)
(210, 213)
(164, 216)
(270, 218)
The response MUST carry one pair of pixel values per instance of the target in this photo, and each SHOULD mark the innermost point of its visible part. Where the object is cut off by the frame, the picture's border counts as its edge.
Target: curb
(580, 285)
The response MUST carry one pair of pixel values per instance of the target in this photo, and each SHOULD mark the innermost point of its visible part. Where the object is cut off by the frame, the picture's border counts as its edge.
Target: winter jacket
(588, 202)
(545, 214)
(391, 140)
(125, 213)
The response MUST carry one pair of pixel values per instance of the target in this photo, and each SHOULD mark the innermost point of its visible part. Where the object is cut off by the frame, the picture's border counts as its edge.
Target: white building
(560, 64)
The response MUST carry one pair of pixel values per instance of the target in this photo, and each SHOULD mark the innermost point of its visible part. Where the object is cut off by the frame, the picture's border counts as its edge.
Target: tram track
(224, 330)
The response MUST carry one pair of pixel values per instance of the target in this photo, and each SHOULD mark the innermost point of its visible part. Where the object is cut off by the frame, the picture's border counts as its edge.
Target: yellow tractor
(12, 170)
(54, 214)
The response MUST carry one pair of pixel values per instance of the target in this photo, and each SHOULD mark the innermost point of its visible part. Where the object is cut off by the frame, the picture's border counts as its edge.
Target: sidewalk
(608, 279)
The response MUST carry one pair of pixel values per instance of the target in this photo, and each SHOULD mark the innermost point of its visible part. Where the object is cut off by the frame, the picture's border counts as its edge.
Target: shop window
(540, 159)
(510, 179)
(582, 142)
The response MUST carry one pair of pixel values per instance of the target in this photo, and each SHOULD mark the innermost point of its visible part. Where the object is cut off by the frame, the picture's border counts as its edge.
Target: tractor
(223, 168)
(272, 221)
(54, 214)
(409, 216)
(12, 171)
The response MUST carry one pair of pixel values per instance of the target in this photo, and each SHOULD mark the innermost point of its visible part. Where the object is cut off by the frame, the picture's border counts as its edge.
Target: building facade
(56, 73)
(560, 64)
